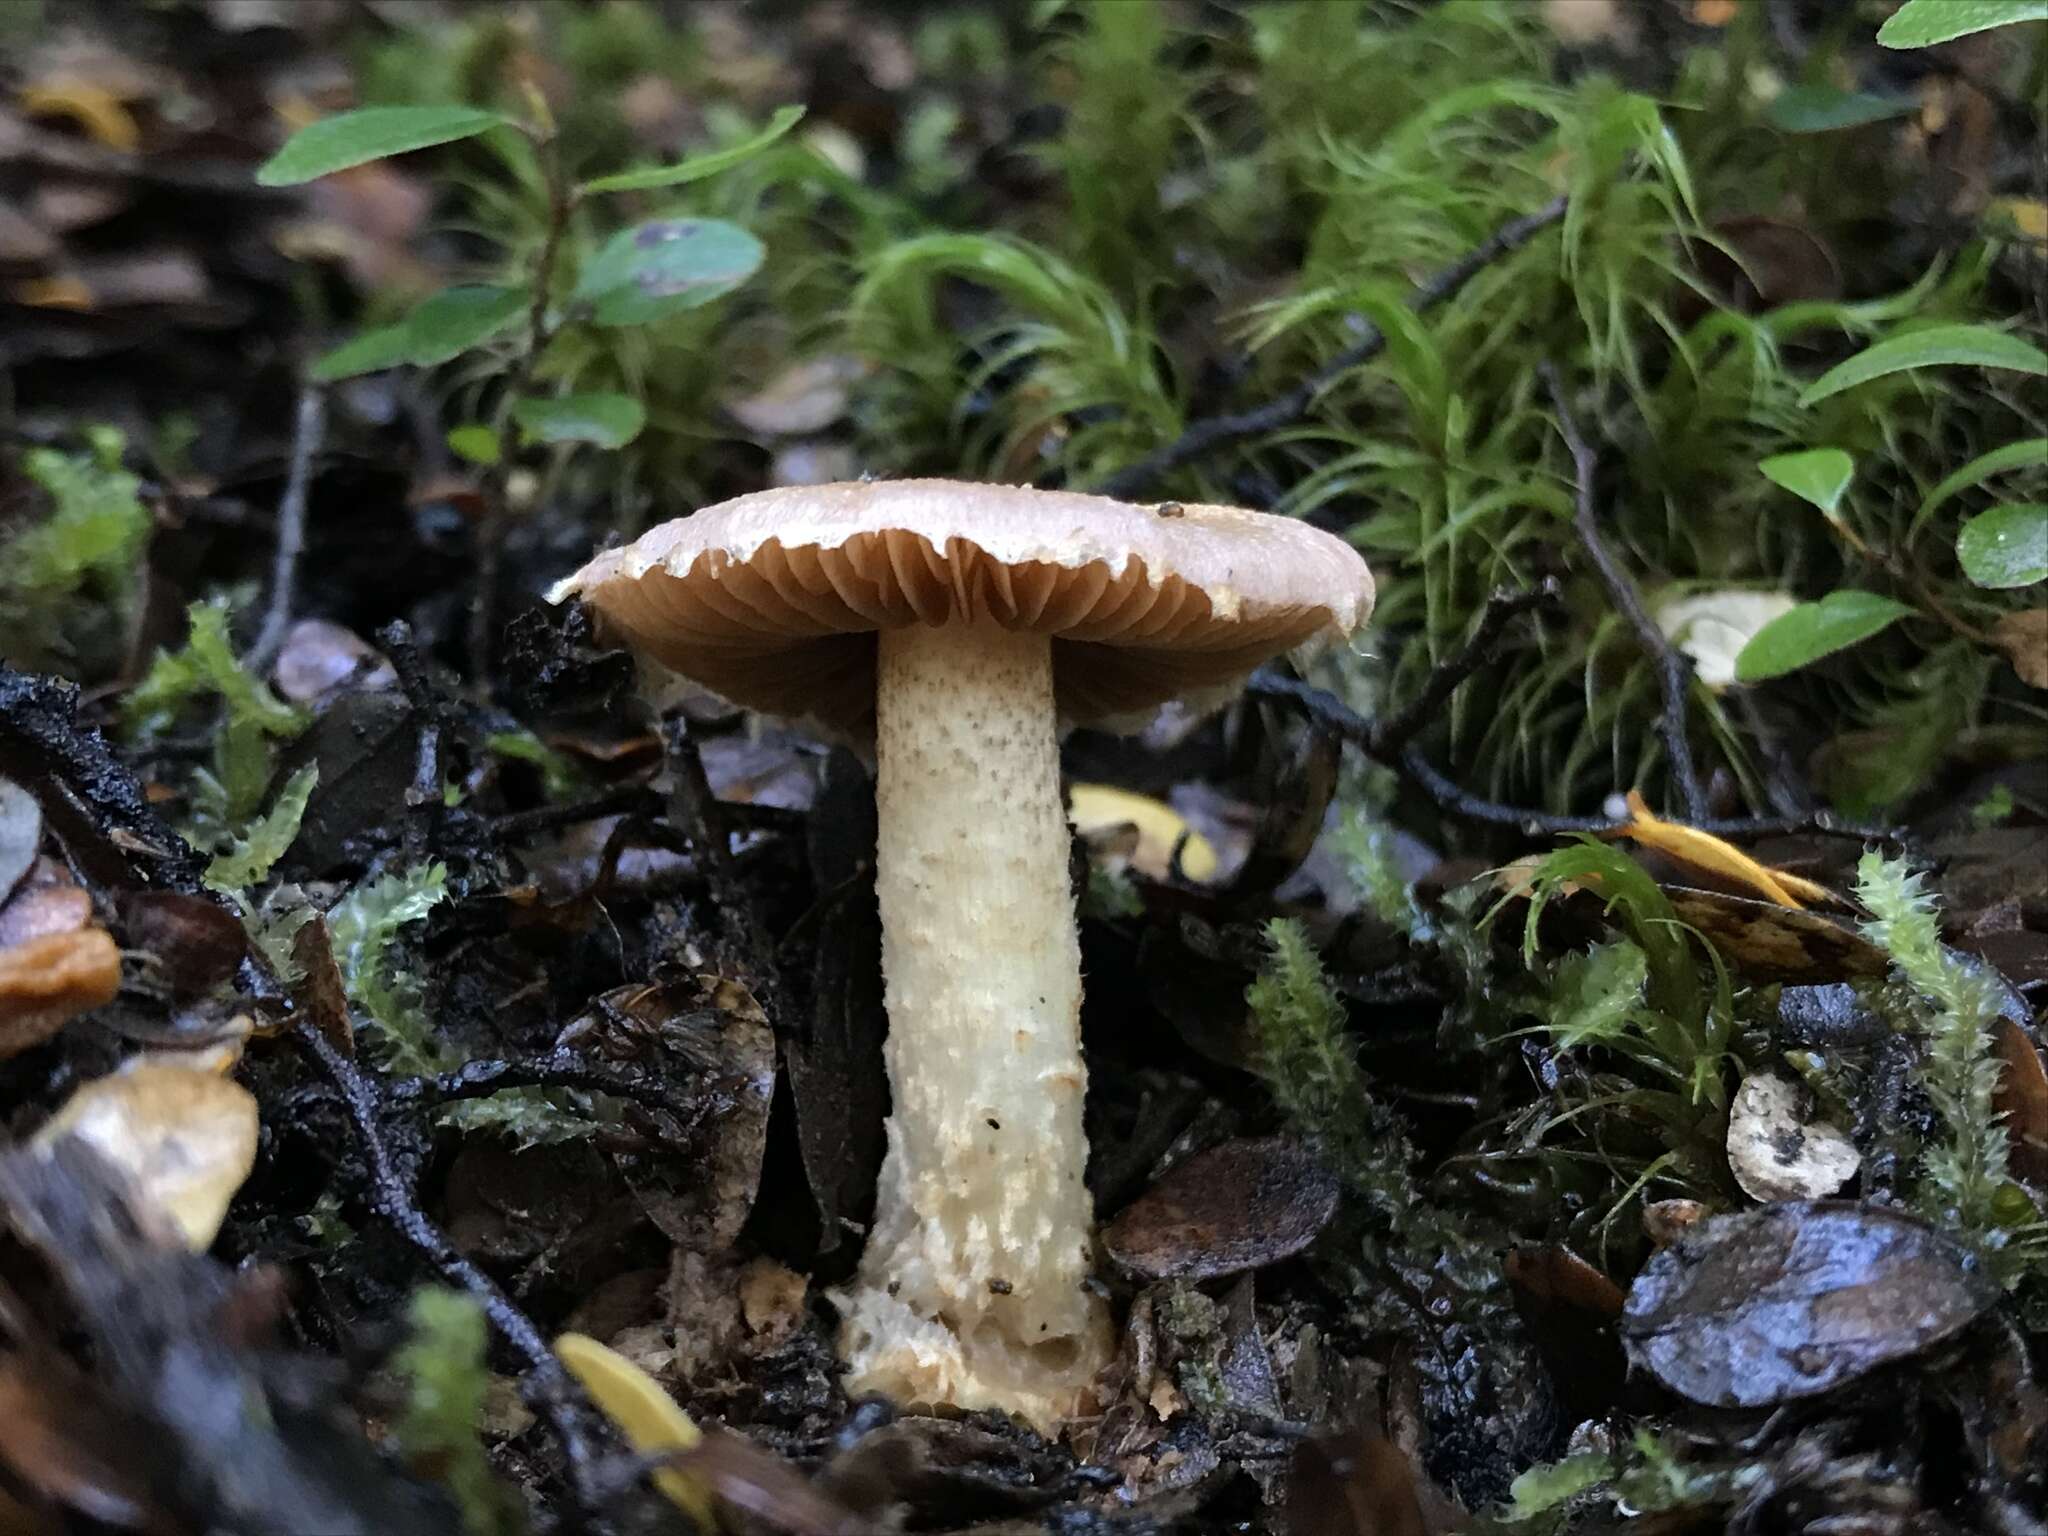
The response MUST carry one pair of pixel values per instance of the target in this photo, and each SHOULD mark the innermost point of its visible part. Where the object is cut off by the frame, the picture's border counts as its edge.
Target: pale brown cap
(772, 600)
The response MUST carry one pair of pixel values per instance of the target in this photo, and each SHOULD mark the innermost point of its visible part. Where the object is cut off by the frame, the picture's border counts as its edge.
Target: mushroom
(955, 627)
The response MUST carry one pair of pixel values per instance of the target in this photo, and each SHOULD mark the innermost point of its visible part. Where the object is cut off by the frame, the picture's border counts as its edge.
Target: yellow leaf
(1702, 850)
(51, 293)
(648, 1417)
(2028, 216)
(1099, 808)
(98, 112)
(185, 1139)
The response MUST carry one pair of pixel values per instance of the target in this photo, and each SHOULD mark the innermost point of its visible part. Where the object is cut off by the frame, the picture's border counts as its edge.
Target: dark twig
(106, 821)
(392, 1199)
(1674, 668)
(1502, 609)
(703, 819)
(1387, 744)
(552, 818)
(425, 795)
(1211, 432)
(309, 426)
(562, 1069)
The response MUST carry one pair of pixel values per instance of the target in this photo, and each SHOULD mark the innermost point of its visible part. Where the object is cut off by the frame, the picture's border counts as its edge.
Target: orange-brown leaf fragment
(48, 981)
(2022, 1101)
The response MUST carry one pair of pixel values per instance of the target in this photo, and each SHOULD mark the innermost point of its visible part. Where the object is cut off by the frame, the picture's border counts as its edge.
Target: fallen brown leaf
(2023, 636)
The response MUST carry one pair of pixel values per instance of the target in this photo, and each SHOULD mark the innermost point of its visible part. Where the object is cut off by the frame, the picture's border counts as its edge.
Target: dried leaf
(2022, 1100)
(1795, 1299)
(1236, 1207)
(196, 943)
(185, 1139)
(1777, 1152)
(1764, 942)
(2023, 636)
(47, 982)
(1703, 851)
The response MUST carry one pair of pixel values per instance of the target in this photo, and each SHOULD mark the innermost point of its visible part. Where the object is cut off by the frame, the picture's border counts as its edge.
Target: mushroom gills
(972, 1290)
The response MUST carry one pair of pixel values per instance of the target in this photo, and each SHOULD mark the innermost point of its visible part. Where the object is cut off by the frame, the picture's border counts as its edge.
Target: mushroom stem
(971, 1291)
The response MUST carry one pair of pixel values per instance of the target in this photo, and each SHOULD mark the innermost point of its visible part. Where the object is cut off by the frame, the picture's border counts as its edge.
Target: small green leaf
(665, 266)
(1814, 630)
(356, 138)
(2024, 454)
(264, 841)
(442, 327)
(1818, 476)
(371, 352)
(608, 420)
(1976, 345)
(2007, 546)
(697, 167)
(452, 322)
(476, 443)
(1823, 108)
(1923, 23)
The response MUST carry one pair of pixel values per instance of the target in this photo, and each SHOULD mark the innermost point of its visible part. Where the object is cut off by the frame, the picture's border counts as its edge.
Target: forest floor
(1571, 1062)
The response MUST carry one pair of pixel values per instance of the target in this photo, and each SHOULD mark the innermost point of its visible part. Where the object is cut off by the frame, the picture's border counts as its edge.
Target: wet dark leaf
(1235, 1207)
(196, 943)
(21, 834)
(1298, 777)
(1244, 1362)
(1764, 942)
(363, 745)
(1756, 1309)
(724, 1041)
(835, 1067)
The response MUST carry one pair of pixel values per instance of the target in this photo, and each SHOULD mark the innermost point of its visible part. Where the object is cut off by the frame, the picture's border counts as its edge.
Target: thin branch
(1200, 437)
(1502, 609)
(1390, 743)
(1674, 668)
(392, 1200)
(561, 1069)
(552, 818)
(309, 427)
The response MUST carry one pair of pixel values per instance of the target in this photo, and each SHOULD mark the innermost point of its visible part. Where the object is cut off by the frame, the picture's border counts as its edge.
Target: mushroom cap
(773, 599)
